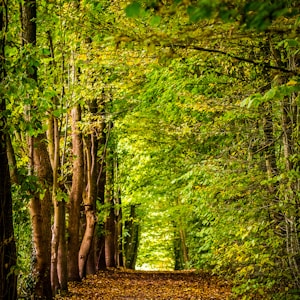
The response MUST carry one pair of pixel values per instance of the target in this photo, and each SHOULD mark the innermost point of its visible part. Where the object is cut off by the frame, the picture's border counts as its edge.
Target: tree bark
(75, 196)
(290, 127)
(132, 239)
(57, 217)
(290, 195)
(13, 170)
(8, 278)
(40, 207)
(110, 222)
(62, 264)
(89, 204)
(40, 204)
(101, 183)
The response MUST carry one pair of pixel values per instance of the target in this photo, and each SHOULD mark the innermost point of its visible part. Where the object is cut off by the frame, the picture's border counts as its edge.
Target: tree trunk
(118, 217)
(75, 197)
(100, 249)
(40, 207)
(62, 264)
(57, 222)
(101, 183)
(110, 222)
(290, 128)
(132, 239)
(13, 170)
(8, 278)
(178, 253)
(40, 204)
(290, 194)
(89, 204)
(101, 265)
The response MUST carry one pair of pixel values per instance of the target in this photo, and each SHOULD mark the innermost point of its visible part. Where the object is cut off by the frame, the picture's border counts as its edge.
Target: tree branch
(253, 62)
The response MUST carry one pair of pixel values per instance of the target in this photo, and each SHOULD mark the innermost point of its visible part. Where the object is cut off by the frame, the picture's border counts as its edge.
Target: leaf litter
(116, 284)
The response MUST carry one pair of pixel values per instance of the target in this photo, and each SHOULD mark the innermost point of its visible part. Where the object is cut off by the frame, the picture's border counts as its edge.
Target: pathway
(142, 285)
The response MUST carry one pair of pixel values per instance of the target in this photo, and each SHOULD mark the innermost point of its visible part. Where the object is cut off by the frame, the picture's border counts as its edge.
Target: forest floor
(142, 285)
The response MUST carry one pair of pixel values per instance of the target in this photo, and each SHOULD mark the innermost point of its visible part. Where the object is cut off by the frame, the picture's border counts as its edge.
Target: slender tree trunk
(178, 257)
(57, 222)
(13, 170)
(110, 222)
(131, 241)
(75, 197)
(59, 274)
(276, 215)
(290, 195)
(101, 183)
(290, 128)
(182, 239)
(101, 264)
(118, 216)
(62, 264)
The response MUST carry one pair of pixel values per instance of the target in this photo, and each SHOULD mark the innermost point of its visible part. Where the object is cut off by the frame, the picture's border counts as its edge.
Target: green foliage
(189, 87)
(22, 229)
(133, 10)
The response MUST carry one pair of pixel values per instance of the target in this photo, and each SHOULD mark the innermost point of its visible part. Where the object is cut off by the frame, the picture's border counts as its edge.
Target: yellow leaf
(292, 82)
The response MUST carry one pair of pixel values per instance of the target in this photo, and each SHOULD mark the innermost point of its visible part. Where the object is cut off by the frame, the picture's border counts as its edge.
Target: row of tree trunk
(66, 245)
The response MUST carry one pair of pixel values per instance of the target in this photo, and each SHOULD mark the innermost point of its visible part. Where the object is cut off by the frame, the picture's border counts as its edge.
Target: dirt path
(140, 285)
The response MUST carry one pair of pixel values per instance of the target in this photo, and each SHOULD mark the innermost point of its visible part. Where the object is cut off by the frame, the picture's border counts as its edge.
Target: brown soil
(142, 285)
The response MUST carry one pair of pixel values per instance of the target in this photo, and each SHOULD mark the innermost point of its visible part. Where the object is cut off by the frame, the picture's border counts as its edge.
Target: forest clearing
(150, 135)
(146, 285)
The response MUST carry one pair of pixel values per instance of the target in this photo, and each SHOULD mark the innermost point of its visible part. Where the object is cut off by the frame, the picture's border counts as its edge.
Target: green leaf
(270, 95)
(133, 10)
(11, 51)
(45, 51)
(155, 20)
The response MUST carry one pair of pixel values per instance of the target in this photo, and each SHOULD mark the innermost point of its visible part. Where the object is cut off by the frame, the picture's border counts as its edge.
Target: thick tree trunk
(41, 218)
(89, 204)
(75, 197)
(8, 278)
(110, 243)
(87, 240)
(40, 204)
